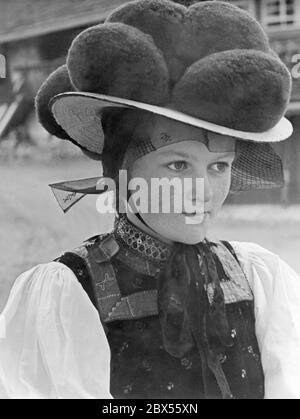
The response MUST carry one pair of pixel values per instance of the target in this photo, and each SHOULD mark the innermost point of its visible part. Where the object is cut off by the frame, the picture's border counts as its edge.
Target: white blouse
(52, 344)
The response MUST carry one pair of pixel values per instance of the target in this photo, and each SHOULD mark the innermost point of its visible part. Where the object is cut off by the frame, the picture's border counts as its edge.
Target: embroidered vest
(122, 285)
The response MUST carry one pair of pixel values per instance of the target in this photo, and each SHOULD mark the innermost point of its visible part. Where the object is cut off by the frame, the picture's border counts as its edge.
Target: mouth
(196, 217)
(195, 214)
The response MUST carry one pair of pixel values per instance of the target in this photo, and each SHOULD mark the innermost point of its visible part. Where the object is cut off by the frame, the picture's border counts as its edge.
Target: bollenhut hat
(209, 65)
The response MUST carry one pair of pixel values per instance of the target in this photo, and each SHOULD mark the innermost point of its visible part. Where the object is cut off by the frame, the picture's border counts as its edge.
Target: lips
(196, 218)
(195, 214)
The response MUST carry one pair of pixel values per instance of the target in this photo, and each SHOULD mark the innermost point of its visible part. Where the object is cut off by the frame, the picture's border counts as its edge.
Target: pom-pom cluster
(211, 60)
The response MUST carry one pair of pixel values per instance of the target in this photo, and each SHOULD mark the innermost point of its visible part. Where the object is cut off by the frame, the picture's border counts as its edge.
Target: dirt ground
(35, 230)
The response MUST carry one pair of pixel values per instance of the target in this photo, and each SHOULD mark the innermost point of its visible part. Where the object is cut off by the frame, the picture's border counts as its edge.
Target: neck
(135, 221)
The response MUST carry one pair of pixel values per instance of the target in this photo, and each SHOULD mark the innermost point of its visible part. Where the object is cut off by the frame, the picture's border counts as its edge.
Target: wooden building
(34, 38)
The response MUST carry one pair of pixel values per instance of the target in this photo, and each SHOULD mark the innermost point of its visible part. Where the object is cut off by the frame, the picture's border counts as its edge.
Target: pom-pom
(118, 60)
(245, 90)
(57, 82)
(163, 20)
(214, 26)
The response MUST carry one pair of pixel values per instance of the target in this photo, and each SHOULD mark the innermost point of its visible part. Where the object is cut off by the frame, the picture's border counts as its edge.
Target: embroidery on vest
(110, 303)
(236, 286)
(112, 306)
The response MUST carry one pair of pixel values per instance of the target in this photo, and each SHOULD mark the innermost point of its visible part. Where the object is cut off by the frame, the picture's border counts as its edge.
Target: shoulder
(102, 247)
(266, 271)
(42, 285)
(252, 250)
(52, 272)
(253, 256)
(65, 268)
(80, 260)
(91, 262)
(47, 289)
(258, 263)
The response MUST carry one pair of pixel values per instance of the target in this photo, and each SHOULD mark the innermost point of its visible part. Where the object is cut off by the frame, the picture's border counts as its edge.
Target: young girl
(168, 93)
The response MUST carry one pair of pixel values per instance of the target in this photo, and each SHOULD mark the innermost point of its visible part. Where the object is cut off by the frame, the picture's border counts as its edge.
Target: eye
(221, 166)
(178, 166)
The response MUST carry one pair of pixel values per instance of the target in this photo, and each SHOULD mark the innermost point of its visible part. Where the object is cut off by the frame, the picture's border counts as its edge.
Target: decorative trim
(140, 242)
(135, 306)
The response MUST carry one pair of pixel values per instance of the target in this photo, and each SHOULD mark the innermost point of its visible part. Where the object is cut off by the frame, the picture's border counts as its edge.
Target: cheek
(138, 175)
(142, 169)
(221, 187)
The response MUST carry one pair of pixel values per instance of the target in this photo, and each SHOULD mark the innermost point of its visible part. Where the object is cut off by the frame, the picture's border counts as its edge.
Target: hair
(121, 129)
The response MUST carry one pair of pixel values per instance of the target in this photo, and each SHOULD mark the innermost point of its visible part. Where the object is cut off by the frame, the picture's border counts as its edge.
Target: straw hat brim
(79, 114)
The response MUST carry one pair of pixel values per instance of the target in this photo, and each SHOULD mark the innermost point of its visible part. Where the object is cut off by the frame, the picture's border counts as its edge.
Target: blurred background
(34, 39)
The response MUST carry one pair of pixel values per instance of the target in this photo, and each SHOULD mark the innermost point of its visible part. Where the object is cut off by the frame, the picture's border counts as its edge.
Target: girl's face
(186, 157)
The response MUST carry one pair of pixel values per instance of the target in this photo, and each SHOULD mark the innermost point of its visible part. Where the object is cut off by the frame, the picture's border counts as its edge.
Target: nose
(207, 190)
(200, 195)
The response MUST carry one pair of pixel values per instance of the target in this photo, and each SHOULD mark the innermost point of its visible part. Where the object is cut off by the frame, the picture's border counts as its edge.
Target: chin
(192, 240)
(191, 235)
(176, 230)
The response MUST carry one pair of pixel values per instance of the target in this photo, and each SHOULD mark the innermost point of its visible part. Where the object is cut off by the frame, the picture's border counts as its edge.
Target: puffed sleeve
(276, 288)
(52, 344)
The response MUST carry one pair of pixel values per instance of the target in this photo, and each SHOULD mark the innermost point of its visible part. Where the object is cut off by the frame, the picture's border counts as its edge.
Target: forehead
(165, 132)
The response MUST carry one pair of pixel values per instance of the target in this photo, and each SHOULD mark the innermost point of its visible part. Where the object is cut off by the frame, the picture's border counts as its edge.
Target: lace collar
(141, 243)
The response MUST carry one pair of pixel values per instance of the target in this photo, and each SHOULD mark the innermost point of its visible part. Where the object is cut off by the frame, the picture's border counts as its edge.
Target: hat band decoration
(68, 193)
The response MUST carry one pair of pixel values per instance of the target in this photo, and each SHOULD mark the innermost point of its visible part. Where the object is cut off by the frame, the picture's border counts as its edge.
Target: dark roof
(20, 19)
